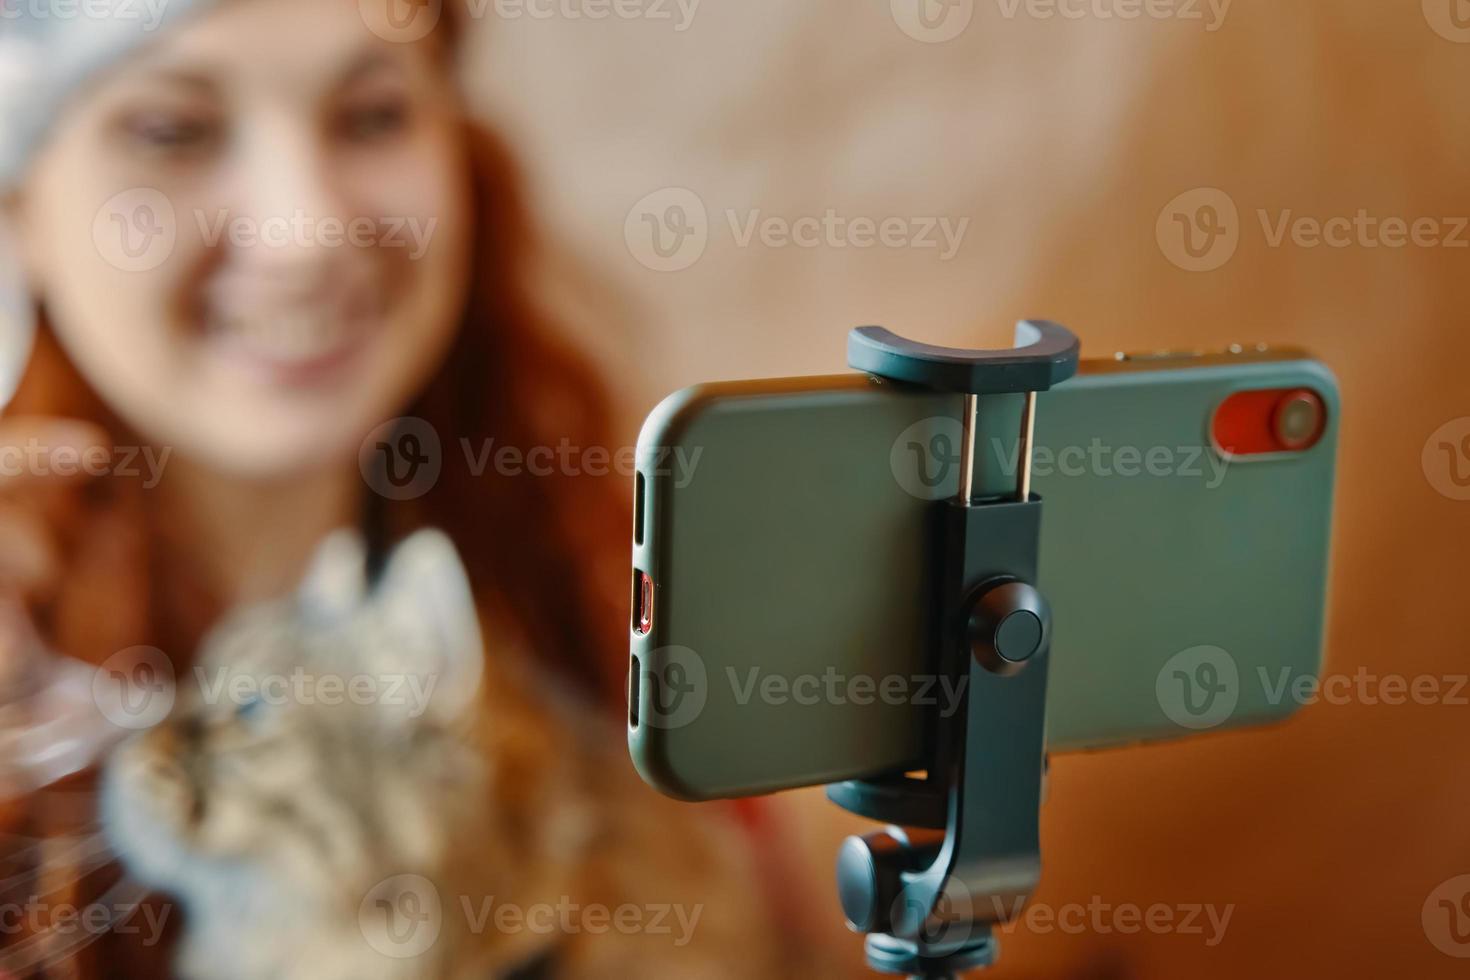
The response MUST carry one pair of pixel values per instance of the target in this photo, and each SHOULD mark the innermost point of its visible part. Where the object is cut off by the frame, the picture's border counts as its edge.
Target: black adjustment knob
(870, 874)
(1009, 624)
(867, 879)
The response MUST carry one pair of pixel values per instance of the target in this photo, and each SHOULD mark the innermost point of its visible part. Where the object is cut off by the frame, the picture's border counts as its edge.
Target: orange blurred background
(1064, 133)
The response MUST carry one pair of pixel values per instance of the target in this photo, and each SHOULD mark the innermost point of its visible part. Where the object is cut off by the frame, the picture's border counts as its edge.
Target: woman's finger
(43, 451)
(29, 562)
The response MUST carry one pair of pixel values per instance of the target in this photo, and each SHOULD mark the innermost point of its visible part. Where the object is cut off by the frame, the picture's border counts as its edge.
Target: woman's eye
(374, 121)
(172, 133)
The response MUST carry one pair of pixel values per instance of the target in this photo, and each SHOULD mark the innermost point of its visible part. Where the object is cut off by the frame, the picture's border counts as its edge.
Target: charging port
(642, 602)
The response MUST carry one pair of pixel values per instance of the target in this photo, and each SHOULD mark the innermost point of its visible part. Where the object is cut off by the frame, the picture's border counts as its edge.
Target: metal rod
(967, 449)
(1028, 432)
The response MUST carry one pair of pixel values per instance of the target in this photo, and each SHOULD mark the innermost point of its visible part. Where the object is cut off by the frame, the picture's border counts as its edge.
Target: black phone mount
(928, 899)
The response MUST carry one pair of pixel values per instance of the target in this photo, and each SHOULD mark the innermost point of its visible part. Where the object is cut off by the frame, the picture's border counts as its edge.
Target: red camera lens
(1269, 420)
(1299, 419)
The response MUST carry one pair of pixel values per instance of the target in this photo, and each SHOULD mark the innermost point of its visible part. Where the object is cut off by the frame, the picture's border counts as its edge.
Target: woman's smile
(306, 340)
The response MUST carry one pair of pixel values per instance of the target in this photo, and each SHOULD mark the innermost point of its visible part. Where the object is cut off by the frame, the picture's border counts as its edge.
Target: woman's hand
(72, 551)
(43, 464)
(45, 701)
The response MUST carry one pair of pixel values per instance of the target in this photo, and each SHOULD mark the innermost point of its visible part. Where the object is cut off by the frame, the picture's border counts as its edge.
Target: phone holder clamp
(928, 899)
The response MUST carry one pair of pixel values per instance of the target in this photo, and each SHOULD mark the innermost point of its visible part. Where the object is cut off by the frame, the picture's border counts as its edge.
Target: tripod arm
(988, 861)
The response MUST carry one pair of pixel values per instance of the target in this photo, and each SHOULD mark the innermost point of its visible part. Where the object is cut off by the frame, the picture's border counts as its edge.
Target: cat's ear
(429, 608)
(336, 580)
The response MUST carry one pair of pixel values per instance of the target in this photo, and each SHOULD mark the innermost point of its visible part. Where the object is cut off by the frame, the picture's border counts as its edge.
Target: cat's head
(320, 737)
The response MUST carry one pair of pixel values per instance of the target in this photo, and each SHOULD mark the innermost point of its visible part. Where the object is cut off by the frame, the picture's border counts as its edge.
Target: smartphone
(784, 558)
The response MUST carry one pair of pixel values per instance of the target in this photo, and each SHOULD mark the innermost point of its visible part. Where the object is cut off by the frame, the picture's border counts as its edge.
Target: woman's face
(253, 235)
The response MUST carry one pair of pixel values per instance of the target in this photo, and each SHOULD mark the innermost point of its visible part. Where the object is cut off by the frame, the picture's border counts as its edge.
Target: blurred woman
(277, 285)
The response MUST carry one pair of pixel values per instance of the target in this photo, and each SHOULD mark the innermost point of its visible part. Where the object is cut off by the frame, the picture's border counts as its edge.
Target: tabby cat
(349, 787)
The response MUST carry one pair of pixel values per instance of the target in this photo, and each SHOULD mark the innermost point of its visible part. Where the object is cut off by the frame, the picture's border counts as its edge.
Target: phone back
(782, 573)
(1188, 585)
